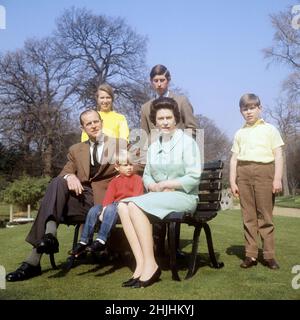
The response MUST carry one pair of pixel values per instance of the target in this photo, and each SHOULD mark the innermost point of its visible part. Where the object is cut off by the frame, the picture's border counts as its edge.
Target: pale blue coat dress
(179, 158)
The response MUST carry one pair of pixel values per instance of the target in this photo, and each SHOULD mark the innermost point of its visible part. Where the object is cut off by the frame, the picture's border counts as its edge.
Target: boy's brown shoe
(248, 263)
(271, 263)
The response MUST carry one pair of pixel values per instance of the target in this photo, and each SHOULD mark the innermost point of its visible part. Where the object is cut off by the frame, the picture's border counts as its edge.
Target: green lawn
(103, 282)
(288, 202)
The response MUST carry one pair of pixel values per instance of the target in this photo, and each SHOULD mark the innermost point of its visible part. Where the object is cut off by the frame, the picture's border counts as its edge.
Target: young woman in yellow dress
(114, 124)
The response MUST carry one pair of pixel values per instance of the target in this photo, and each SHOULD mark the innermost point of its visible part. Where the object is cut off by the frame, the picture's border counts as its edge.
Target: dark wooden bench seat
(210, 191)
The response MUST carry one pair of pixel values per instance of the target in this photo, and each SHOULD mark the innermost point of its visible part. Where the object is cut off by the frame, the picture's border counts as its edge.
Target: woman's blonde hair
(123, 157)
(106, 88)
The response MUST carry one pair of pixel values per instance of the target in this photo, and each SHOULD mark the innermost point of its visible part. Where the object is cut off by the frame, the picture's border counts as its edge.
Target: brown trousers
(255, 181)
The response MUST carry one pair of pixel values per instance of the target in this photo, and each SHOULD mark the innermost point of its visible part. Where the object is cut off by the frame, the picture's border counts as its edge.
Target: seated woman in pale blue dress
(171, 175)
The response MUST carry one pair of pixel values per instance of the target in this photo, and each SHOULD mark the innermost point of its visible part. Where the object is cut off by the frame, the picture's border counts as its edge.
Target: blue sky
(213, 49)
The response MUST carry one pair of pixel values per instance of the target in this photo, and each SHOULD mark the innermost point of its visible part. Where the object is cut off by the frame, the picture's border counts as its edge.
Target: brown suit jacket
(187, 119)
(79, 164)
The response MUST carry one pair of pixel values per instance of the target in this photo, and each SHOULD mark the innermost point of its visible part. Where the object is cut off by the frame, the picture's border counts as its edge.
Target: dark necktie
(95, 153)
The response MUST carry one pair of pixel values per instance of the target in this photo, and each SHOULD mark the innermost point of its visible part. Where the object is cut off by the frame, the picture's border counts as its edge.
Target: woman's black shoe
(130, 282)
(147, 283)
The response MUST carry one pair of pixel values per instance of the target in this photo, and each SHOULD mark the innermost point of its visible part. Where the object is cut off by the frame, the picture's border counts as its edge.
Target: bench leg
(172, 248)
(159, 235)
(52, 261)
(210, 247)
(71, 259)
(192, 264)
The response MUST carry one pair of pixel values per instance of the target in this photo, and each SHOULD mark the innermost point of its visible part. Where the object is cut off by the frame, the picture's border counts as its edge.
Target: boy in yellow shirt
(255, 176)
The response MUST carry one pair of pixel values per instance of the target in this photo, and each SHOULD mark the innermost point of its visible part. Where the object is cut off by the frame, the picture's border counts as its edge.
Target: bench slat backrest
(210, 187)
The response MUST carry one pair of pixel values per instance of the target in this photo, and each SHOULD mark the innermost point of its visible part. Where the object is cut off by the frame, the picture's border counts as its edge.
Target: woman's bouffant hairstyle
(164, 103)
(160, 70)
(249, 98)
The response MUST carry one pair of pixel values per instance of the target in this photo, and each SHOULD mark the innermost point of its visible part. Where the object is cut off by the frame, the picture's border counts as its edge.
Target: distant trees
(35, 90)
(216, 143)
(286, 112)
(103, 49)
(285, 50)
(43, 85)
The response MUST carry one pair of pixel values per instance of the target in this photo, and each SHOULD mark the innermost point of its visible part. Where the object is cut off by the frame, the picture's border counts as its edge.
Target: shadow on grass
(202, 259)
(236, 250)
(118, 261)
(239, 251)
(99, 261)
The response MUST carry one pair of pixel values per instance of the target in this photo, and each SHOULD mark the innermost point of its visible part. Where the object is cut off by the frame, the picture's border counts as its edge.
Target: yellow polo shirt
(114, 125)
(257, 142)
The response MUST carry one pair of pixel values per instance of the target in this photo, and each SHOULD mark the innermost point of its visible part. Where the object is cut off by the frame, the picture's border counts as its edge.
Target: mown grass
(103, 281)
(288, 202)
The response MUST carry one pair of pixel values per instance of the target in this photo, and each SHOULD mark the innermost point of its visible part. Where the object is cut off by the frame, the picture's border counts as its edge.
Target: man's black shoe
(24, 272)
(96, 246)
(49, 244)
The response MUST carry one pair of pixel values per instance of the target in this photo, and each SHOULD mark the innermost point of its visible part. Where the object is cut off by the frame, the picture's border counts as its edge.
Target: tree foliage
(24, 191)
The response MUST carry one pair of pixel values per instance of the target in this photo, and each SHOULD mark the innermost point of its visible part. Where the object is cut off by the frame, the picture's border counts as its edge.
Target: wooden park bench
(210, 192)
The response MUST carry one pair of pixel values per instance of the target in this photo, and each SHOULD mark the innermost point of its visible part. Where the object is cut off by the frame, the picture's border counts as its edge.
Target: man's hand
(277, 186)
(235, 190)
(74, 184)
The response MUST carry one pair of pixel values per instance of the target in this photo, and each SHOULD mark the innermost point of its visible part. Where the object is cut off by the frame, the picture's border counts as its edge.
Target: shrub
(26, 190)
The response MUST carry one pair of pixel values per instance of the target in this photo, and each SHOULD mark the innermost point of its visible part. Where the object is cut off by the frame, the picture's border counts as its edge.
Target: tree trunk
(47, 160)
